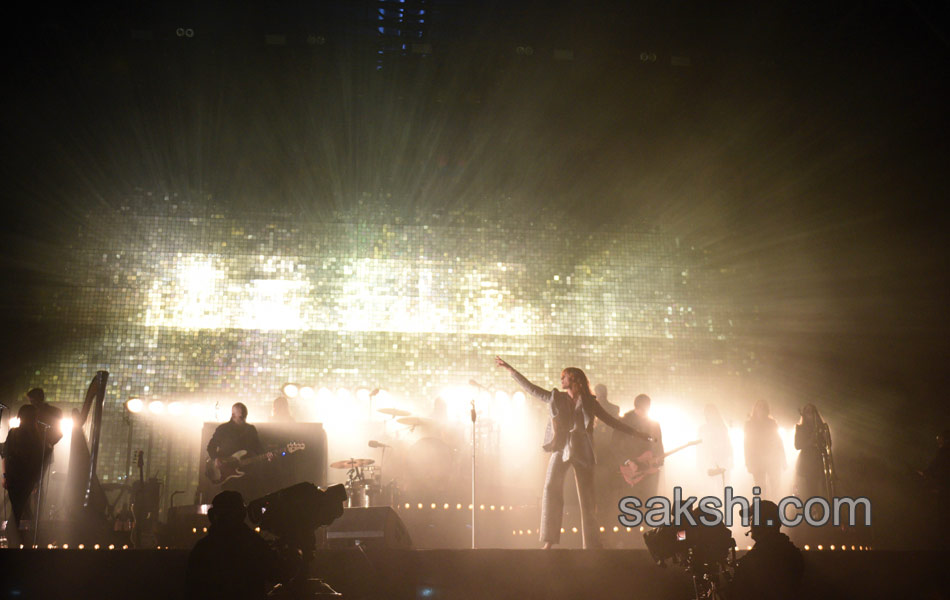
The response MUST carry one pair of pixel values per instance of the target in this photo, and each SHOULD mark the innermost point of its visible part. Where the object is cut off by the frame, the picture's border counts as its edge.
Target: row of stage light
(514, 532)
(615, 529)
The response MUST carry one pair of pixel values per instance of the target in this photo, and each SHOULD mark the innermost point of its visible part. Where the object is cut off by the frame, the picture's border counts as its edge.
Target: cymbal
(413, 421)
(394, 412)
(352, 463)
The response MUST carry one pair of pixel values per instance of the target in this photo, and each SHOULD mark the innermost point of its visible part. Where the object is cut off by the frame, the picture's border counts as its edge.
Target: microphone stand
(474, 508)
(39, 489)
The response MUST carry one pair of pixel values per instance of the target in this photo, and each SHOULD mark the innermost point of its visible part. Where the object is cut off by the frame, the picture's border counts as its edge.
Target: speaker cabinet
(374, 527)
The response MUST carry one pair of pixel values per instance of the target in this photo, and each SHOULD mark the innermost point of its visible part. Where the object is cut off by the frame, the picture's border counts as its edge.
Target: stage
(464, 574)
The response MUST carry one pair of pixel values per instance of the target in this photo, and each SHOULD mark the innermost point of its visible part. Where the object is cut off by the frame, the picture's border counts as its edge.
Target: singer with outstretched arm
(569, 439)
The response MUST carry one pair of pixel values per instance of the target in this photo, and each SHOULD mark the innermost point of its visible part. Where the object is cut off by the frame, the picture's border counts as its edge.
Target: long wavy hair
(579, 383)
(814, 410)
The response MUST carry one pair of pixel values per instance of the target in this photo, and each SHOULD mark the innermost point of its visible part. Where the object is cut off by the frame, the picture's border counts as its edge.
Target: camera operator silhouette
(773, 569)
(232, 562)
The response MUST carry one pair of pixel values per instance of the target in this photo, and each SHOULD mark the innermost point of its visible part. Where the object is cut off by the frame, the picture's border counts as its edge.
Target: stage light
(807, 547)
(135, 405)
(820, 547)
(852, 546)
(407, 505)
(518, 398)
(445, 506)
(344, 395)
(573, 529)
(529, 532)
(96, 547)
(432, 506)
(291, 390)
(420, 506)
(14, 422)
(603, 529)
(176, 409)
(458, 506)
(362, 394)
(492, 507)
(111, 546)
(156, 407)
(65, 546)
(82, 547)
(832, 547)
(616, 529)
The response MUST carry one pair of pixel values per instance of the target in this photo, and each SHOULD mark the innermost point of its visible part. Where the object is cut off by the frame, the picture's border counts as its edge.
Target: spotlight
(14, 422)
(291, 390)
(176, 409)
(156, 407)
(135, 405)
(66, 425)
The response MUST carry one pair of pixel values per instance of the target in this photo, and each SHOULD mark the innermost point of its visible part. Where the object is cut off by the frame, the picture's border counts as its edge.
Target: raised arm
(538, 392)
(601, 413)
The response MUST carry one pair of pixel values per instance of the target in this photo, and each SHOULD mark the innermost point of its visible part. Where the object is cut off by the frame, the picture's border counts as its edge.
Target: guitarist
(237, 434)
(634, 447)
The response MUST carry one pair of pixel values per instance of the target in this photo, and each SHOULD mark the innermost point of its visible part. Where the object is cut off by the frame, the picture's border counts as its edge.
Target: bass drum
(430, 465)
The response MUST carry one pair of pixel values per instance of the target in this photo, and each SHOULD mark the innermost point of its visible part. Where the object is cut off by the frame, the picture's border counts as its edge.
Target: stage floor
(464, 574)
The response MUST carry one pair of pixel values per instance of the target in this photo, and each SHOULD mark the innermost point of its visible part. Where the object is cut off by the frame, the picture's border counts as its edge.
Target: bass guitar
(221, 469)
(635, 470)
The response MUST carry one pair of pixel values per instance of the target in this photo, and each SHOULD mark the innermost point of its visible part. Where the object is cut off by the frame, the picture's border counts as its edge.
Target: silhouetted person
(48, 414)
(764, 452)
(237, 434)
(812, 438)
(773, 569)
(715, 453)
(22, 462)
(937, 481)
(232, 562)
(281, 411)
(633, 448)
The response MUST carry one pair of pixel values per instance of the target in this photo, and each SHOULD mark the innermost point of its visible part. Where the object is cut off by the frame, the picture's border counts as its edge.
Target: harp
(84, 500)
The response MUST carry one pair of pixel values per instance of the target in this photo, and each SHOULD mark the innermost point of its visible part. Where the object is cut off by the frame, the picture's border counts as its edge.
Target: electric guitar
(220, 470)
(635, 470)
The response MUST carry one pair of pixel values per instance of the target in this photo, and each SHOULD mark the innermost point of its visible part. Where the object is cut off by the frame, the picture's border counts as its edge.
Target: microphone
(375, 444)
(374, 392)
(41, 423)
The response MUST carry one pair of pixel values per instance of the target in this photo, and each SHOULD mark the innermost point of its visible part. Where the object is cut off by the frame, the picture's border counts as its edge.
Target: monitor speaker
(374, 527)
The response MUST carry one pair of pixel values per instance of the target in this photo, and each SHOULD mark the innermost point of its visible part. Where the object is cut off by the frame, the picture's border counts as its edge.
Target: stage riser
(461, 574)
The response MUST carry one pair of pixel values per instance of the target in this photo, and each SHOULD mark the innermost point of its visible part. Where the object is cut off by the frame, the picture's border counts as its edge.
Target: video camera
(293, 513)
(699, 548)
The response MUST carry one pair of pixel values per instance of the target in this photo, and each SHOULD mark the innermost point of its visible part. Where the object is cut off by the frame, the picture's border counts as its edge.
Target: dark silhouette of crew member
(22, 462)
(232, 562)
(773, 569)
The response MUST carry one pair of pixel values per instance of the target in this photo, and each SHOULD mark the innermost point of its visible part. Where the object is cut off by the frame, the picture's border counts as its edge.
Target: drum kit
(364, 478)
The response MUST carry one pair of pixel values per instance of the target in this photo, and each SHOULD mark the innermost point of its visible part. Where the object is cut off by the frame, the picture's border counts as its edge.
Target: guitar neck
(253, 459)
(678, 448)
